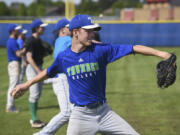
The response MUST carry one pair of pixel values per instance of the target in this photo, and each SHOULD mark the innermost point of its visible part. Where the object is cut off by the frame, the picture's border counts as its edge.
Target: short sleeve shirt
(34, 45)
(86, 71)
(12, 47)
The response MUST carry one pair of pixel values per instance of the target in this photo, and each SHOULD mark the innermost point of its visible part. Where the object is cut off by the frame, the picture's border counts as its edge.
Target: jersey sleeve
(55, 68)
(114, 52)
(29, 45)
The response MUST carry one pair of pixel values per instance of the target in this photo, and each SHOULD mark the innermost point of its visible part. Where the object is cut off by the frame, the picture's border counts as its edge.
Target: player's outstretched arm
(20, 89)
(151, 51)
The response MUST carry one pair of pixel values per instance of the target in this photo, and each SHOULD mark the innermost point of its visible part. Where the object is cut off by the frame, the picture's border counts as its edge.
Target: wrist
(166, 55)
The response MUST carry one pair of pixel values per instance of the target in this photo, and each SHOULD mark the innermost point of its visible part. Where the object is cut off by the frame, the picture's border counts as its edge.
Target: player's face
(40, 30)
(85, 36)
(16, 33)
(66, 31)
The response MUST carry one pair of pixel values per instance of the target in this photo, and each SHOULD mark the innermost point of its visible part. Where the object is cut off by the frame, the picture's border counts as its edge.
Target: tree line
(40, 7)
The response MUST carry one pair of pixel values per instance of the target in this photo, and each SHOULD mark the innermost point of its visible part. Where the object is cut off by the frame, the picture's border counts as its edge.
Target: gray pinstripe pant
(13, 72)
(35, 89)
(61, 89)
(85, 121)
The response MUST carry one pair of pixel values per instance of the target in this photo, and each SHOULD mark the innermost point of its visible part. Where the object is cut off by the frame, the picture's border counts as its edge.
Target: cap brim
(67, 25)
(24, 31)
(96, 27)
(44, 25)
(18, 27)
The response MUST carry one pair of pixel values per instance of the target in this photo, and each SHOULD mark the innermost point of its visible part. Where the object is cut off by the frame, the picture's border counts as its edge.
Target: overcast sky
(27, 2)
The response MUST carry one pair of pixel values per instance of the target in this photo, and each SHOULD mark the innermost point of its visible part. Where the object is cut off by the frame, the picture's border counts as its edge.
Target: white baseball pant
(35, 89)
(13, 71)
(61, 89)
(22, 72)
(85, 121)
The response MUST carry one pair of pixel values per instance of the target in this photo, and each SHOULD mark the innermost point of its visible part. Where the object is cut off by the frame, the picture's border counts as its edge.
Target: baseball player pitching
(85, 66)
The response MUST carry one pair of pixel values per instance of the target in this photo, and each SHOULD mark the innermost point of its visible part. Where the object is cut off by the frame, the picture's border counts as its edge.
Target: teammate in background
(34, 56)
(20, 41)
(13, 54)
(85, 66)
(60, 84)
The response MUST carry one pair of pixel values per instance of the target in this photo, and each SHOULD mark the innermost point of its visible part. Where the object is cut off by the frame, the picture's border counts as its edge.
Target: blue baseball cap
(38, 23)
(13, 27)
(62, 23)
(22, 31)
(83, 21)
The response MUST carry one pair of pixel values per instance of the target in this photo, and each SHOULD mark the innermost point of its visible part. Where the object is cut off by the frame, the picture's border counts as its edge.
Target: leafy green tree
(88, 7)
(3, 9)
(22, 10)
(32, 9)
(45, 2)
(118, 4)
(105, 4)
(130, 3)
(36, 10)
(40, 10)
(58, 3)
(61, 7)
(13, 12)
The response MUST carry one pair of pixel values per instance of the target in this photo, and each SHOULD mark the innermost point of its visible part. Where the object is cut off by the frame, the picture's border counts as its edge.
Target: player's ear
(75, 33)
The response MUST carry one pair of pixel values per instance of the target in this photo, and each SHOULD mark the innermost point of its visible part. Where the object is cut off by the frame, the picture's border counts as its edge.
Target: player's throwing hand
(19, 90)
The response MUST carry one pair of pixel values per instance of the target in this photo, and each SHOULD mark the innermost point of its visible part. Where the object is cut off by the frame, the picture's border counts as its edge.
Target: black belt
(92, 105)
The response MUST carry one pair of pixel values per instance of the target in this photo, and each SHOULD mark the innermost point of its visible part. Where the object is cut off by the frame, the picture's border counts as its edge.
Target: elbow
(136, 48)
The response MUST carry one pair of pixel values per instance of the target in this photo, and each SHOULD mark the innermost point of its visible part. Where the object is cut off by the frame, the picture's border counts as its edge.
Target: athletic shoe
(37, 124)
(12, 109)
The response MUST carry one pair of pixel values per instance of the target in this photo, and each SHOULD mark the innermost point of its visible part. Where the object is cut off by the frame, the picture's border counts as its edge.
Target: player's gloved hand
(166, 72)
(19, 90)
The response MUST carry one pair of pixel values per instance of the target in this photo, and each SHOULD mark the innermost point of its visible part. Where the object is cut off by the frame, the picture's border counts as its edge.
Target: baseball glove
(47, 48)
(166, 72)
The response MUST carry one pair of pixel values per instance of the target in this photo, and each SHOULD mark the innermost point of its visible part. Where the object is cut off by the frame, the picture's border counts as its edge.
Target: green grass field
(131, 92)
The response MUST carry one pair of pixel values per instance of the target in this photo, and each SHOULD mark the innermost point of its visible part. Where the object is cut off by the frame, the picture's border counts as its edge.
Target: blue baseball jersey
(86, 71)
(12, 47)
(61, 44)
(20, 43)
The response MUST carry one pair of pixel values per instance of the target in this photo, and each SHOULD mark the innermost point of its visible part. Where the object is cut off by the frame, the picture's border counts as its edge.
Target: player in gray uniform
(60, 84)
(85, 66)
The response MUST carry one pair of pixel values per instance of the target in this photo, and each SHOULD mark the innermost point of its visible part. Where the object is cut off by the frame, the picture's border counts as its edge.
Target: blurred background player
(21, 38)
(13, 53)
(60, 84)
(34, 56)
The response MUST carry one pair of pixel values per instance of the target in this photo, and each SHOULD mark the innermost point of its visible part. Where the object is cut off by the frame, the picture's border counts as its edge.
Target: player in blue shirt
(21, 38)
(85, 66)
(60, 83)
(13, 53)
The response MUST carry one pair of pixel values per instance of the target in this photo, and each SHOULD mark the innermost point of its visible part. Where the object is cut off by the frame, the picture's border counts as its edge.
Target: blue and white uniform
(20, 43)
(61, 89)
(23, 68)
(13, 68)
(86, 73)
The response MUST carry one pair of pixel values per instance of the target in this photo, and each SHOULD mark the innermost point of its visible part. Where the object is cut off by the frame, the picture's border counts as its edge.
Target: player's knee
(65, 114)
(33, 99)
